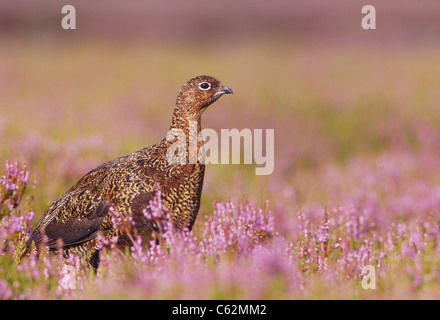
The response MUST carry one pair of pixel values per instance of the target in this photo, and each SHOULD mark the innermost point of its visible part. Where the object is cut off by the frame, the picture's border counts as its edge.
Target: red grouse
(128, 184)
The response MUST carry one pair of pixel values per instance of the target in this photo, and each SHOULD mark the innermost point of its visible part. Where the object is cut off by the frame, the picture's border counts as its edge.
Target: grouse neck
(184, 137)
(183, 120)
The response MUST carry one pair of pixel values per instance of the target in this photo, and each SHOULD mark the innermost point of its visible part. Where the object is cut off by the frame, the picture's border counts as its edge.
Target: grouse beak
(223, 90)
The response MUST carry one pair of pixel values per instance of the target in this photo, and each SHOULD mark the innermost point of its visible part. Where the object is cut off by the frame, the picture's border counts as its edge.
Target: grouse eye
(205, 85)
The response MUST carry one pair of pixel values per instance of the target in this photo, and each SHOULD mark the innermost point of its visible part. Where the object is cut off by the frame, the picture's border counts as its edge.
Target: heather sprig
(13, 185)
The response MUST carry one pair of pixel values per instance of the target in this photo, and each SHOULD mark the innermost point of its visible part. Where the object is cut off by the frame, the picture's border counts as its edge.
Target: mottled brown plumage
(128, 183)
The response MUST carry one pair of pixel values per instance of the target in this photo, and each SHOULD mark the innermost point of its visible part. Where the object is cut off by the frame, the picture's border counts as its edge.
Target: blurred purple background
(398, 21)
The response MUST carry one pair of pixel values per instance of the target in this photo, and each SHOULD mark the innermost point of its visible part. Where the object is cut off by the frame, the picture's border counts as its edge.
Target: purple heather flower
(5, 291)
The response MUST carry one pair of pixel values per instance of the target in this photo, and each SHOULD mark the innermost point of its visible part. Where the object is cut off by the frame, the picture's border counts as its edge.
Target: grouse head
(197, 94)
